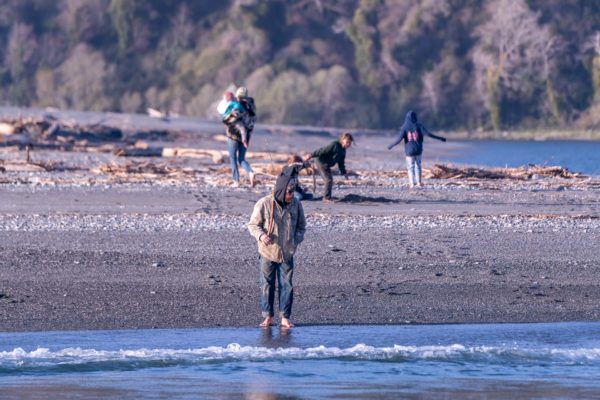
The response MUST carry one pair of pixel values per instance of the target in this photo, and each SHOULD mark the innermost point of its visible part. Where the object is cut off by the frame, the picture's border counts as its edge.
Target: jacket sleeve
(255, 225)
(323, 150)
(398, 140)
(300, 225)
(426, 132)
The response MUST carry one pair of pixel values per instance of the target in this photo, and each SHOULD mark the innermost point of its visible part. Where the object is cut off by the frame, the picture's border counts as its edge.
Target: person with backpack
(249, 117)
(233, 115)
(413, 132)
(278, 225)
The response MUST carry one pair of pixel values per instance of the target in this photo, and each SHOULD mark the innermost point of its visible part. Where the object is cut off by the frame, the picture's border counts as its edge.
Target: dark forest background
(462, 64)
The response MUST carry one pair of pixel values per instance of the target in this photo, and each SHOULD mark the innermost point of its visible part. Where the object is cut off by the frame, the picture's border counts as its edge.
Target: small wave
(77, 359)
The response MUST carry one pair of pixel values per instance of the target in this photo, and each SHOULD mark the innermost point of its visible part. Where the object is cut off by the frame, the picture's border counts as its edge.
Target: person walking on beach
(412, 132)
(327, 156)
(233, 115)
(278, 225)
(249, 117)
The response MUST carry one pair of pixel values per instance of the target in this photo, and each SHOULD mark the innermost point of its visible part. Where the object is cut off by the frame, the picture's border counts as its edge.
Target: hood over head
(410, 121)
(288, 177)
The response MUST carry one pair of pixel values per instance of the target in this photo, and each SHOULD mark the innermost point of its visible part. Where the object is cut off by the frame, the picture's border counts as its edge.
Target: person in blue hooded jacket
(412, 132)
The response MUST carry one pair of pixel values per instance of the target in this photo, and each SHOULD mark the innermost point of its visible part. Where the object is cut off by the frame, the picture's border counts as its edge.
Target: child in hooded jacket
(413, 132)
(232, 115)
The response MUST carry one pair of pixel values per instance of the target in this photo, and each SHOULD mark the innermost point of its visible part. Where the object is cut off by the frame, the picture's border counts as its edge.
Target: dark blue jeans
(237, 155)
(283, 272)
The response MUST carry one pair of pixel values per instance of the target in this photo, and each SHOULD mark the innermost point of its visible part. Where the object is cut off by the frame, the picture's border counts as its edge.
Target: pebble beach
(82, 248)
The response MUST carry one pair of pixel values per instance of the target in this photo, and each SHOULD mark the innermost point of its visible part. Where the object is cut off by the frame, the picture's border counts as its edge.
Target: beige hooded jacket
(286, 226)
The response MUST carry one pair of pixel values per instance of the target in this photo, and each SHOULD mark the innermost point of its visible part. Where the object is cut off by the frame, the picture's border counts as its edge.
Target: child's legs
(410, 166)
(242, 158)
(243, 132)
(232, 147)
(418, 169)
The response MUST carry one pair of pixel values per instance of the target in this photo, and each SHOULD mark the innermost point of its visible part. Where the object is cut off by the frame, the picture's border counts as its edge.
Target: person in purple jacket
(412, 132)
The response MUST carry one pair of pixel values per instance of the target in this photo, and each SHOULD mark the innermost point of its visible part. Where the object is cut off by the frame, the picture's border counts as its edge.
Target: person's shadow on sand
(357, 198)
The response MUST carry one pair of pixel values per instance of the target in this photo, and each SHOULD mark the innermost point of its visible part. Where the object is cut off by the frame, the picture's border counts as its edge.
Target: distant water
(577, 156)
(378, 362)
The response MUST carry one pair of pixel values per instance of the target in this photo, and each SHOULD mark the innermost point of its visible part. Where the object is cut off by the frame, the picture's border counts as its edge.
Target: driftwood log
(521, 173)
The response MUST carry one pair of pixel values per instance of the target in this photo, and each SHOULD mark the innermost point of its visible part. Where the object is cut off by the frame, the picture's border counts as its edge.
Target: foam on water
(20, 359)
(494, 361)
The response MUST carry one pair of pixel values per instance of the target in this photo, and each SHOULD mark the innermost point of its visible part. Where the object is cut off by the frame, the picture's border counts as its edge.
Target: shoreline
(195, 125)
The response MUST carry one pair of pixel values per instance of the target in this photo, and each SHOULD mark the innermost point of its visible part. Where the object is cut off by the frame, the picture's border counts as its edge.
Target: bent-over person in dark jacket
(327, 156)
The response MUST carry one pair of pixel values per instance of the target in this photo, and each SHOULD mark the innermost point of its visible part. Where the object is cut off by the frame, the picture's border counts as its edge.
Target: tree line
(462, 64)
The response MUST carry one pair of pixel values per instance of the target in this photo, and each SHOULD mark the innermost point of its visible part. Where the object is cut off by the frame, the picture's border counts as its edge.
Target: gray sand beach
(82, 249)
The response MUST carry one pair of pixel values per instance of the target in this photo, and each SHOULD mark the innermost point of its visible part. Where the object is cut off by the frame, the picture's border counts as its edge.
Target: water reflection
(273, 338)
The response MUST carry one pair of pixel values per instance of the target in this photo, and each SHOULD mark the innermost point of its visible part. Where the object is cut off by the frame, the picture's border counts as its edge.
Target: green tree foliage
(513, 57)
(83, 79)
(596, 67)
(363, 33)
(349, 63)
(123, 14)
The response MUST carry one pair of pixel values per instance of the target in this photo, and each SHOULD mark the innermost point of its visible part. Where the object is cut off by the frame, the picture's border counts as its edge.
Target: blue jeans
(283, 272)
(302, 196)
(413, 164)
(237, 154)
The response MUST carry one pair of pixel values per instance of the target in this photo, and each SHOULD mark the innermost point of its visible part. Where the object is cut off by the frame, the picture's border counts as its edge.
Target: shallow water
(576, 155)
(546, 360)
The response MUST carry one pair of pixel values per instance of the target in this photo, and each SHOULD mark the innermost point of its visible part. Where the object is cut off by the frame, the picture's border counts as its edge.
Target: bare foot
(252, 179)
(286, 323)
(266, 323)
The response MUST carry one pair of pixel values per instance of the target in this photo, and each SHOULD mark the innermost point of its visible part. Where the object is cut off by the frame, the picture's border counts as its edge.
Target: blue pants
(237, 154)
(302, 196)
(283, 272)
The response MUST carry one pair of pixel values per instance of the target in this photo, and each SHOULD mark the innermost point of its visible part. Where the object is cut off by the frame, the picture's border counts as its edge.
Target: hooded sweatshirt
(284, 223)
(412, 132)
(287, 177)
